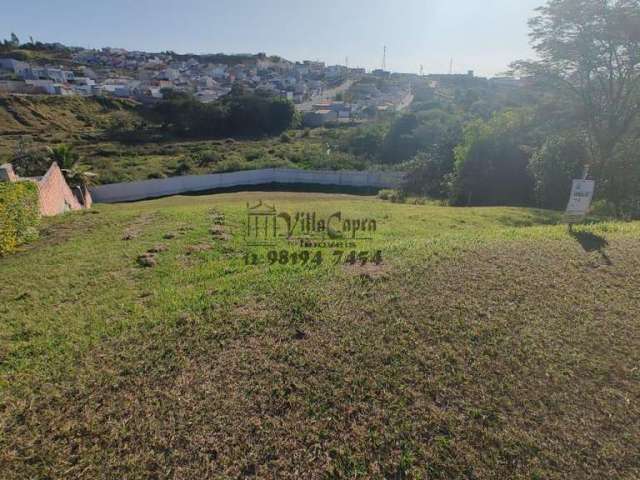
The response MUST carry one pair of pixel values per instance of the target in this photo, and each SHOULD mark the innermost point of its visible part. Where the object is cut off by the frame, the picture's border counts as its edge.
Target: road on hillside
(405, 103)
(327, 94)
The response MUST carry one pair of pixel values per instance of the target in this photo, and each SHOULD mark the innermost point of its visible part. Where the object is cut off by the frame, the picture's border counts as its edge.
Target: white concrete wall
(131, 191)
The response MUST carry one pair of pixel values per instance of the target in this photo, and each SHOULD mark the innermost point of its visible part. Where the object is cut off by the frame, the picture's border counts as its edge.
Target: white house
(17, 67)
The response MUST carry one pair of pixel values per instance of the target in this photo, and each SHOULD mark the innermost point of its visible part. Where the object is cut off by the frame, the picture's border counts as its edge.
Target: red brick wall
(55, 195)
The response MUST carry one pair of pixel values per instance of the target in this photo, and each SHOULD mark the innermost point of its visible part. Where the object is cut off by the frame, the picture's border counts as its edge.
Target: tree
(64, 156)
(622, 185)
(365, 141)
(438, 129)
(590, 53)
(239, 113)
(400, 144)
(282, 115)
(30, 160)
(15, 41)
(429, 174)
(491, 163)
(560, 159)
(436, 137)
(68, 161)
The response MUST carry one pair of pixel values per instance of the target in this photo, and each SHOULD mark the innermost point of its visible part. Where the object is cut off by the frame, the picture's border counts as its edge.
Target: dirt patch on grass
(516, 361)
(369, 271)
(199, 248)
(137, 226)
(58, 230)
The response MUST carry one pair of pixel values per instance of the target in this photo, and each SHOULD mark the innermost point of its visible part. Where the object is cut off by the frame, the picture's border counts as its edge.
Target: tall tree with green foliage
(553, 166)
(491, 163)
(237, 114)
(589, 52)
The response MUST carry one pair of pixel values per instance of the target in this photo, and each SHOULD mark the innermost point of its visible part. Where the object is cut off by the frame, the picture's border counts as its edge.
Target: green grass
(490, 344)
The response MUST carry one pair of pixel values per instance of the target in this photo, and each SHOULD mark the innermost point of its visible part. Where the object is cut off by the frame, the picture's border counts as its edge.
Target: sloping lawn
(490, 343)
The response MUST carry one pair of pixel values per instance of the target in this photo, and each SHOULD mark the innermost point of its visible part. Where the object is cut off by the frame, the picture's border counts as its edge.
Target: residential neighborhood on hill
(122, 73)
(147, 77)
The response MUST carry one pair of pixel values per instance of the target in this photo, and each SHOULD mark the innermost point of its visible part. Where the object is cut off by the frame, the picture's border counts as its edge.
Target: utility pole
(422, 70)
(384, 59)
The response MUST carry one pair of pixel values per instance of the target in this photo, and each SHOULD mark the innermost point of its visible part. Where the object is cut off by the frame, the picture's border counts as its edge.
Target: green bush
(207, 157)
(284, 138)
(385, 194)
(394, 196)
(231, 163)
(19, 214)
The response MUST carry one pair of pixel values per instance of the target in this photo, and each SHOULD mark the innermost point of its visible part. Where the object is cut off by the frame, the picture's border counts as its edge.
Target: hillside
(490, 343)
(48, 120)
(153, 152)
(61, 56)
(47, 114)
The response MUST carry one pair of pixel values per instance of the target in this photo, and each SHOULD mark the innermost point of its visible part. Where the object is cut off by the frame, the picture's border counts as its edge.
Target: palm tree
(65, 156)
(68, 160)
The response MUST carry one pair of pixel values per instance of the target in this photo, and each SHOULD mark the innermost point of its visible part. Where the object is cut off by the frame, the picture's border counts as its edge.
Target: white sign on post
(580, 201)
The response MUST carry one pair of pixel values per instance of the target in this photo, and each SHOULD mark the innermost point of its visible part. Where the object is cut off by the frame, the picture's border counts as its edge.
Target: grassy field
(490, 343)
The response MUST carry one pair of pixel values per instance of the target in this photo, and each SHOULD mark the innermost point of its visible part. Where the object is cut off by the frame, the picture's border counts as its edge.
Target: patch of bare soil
(199, 248)
(137, 226)
(56, 232)
(369, 271)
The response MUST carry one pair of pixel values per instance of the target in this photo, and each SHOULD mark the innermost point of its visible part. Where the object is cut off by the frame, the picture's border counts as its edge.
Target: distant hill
(58, 54)
(42, 54)
(229, 60)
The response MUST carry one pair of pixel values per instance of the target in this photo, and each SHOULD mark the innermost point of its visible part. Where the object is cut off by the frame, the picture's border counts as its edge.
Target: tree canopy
(237, 114)
(590, 52)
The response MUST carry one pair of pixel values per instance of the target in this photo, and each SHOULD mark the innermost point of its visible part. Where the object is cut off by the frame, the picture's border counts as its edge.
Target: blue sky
(480, 35)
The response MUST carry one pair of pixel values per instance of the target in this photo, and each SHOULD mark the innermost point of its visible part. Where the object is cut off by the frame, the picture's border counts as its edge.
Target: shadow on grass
(590, 242)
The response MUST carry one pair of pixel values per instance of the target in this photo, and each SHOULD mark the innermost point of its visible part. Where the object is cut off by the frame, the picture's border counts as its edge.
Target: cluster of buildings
(144, 76)
(328, 111)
